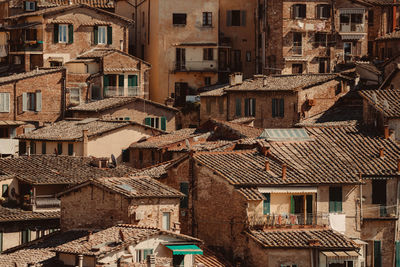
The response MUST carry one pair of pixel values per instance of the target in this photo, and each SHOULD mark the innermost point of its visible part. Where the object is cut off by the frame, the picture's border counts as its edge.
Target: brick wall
(51, 86)
(217, 108)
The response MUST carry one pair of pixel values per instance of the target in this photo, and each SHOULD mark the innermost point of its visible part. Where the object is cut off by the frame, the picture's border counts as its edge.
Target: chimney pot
(381, 152)
(89, 237)
(267, 165)
(284, 171)
(386, 132)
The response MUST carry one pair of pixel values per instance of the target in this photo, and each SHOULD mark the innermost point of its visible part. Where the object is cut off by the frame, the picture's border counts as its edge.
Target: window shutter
(243, 18)
(184, 188)
(38, 100)
(274, 107)
(238, 107)
(377, 254)
(267, 203)
(397, 253)
(253, 107)
(246, 107)
(96, 35)
(147, 121)
(318, 11)
(121, 80)
(281, 108)
(105, 85)
(55, 33)
(163, 123)
(229, 18)
(132, 80)
(70, 33)
(109, 35)
(291, 205)
(26, 5)
(24, 101)
(204, 53)
(1, 241)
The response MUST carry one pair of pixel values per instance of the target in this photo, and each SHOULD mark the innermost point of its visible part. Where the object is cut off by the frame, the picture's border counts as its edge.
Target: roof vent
(126, 187)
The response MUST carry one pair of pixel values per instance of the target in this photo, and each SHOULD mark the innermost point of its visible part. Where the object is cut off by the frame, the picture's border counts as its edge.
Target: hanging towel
(338, 222)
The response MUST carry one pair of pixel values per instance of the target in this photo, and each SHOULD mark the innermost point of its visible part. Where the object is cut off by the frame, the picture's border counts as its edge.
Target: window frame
(125, 155)
(31, 101)
(208, 54)
(32, 6)
(166, 226)
(179, 19)
(102, 30)
(70, 149)
(335, 199)
(62, 32)
(321, 9)
(278, 107)
(5, 102)
(301, 10)
(207, 19)
(72, 96)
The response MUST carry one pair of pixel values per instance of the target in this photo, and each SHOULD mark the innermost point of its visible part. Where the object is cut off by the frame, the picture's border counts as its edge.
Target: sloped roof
(326, 239)
(103, 52)
(16, 214)
(52, 169)
(53, 3)
(30, 74)
(389, 36)
(166, 139)
(379, 98)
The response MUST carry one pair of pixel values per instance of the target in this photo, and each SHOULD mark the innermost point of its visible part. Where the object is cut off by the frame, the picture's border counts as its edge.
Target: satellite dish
(114, 161)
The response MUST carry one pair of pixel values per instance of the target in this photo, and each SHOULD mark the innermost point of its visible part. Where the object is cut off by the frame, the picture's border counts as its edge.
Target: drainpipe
(85, 143)
(397, 221)
(394, 16)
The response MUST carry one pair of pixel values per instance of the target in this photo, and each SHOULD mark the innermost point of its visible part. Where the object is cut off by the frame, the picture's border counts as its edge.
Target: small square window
(179, 19)
(207, 81)
(208, 54)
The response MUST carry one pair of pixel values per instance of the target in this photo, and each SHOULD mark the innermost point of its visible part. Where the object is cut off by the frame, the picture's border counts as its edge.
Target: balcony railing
(112, 91)
(41, 202)
(289, 220)
(206, 65)
(352, 27)
(376, 211)
(28, 46)
(297, 49)
(9, 146)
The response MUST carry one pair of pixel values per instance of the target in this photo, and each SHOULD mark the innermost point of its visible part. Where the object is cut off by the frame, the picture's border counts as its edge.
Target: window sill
(179, 25)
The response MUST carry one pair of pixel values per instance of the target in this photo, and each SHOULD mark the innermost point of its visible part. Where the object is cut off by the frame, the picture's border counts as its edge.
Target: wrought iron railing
(285, 219)
(205, 65)
(113, 91)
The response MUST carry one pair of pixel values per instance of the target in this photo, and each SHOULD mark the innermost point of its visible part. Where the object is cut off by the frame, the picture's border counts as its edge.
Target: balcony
(199, 66)
(9, 146)
(351, 28)
(27, 46)
(297, 49)
(113, 91)
(379, 212)
(285, 220)
(42, 202)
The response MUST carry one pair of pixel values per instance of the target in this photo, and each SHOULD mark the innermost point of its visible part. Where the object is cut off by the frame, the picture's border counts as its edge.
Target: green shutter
(147, 121)
(238, 107)
(70, 149)
(1, 241)
(274, 107)
(109, 35)
(377, 254)
(70, 33)
(291, 205)
(132, 80)
(121, 80)
(105, 84)
(55, 33)
(246, 107)
(267, 204)
(184, 188)
(397, 253)
(281, 108)
(96, 35)
(253, 108)
(163, 123)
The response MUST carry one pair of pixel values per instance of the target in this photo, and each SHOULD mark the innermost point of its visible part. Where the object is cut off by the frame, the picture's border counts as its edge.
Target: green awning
(184, 249)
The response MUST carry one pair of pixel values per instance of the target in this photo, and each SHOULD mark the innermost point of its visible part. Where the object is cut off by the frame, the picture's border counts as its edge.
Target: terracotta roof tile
(320, 238)
(51, 169)
(211, 259)
(377, 99)
(15, 214)
(30, 74)
(390, 36)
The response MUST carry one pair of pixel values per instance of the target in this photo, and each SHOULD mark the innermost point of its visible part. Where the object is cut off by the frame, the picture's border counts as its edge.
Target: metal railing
(205, 65)
(112, 91)
(285, 220)
(27, 47)
(379, 211)
(41, 202)
(297, 49)
(352, 27)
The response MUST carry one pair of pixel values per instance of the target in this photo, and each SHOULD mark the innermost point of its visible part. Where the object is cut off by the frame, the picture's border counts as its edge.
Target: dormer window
(30, 6)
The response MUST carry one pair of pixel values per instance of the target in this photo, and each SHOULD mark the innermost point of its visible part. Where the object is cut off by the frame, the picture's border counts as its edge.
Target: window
(352, 20)
(59, 148)
(250, 107)
(166, 220)
(25, 236)
(32, 146)
(184, 188)
(208, 105)
(297, 68)
(30, 34)
(278, 107)
(74, 95)
(299, 11)
(221, 105)
(207, 81)
(236, 18)
(248, 56)
(288, 265)
(102, 35)
(266, 203)
(43, 147)
(323, 11)
(323, 65)
(320, 39)
(179, 19)
(156, 122)
(141, 254)
(180, 57)
(370, 18)
(30, 6)
(377, 253)
(4, 102)
(125, 155)
(63, 33)
(55, 63)
(4, 188)
(335, 199)
(238, 107)
(207, 19)
(70, 149)
(208, 54)
(297, 43)
(32, 101)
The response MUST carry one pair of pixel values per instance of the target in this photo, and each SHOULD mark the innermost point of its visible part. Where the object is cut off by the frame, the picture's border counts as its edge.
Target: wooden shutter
(38, 101)
(229, 18)
(274, 101)
(253, 107)
(377, 254)
(243, 18)
(238, 107)
(267, 204)
(132, 80)
(5, 102)
(121, 80)
(109, 35)
(24, 101)
(96, 35)
(318, 11)
(184, 188)
(105, 84)
(55, 33)
(70, 33)
(163, 123)
(246, 107)
(397, 253)
(147, 121)
(292, 205)
(281, 107)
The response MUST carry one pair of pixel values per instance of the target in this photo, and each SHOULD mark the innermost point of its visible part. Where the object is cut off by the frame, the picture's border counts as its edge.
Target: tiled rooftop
(54, 3)
(16, 214)
(337, 155)
(236, 130)
(390, 36)
(109, 240)
(71, 130)
(25, 75)
(51, 169)
(159, 170)
(211, 259)
(133, 187)
(113, 102)
(385, 101)
(313, 238)
(341, 116)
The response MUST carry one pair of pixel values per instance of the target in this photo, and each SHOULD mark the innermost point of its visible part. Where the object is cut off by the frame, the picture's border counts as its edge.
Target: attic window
(30, 6)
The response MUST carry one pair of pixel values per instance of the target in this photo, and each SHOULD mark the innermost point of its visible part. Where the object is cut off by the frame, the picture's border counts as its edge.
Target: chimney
(284, 171)
(267, 165)
(265, 150)
(85, 142)
(381, 152)
(121, 235)
(235, 78)
(265, 81)
(386, 132)
(89, 236)
(398, 165)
